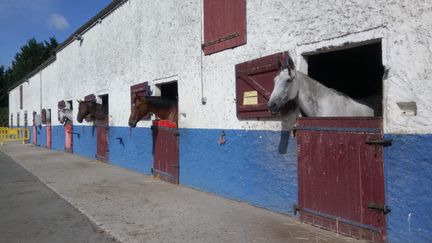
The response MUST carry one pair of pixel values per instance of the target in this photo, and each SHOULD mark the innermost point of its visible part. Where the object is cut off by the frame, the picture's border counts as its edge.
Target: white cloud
(58, 22)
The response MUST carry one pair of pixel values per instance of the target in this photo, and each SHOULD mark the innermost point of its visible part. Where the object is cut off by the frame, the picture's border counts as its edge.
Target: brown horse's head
(139, 110)
(83, 110)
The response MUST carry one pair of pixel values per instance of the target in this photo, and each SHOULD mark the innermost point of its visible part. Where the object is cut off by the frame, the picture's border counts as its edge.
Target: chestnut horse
(90, 111)
(163, 108)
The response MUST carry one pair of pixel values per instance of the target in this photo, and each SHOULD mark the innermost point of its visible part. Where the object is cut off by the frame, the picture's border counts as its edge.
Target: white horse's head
(286, 86)
(64, 115)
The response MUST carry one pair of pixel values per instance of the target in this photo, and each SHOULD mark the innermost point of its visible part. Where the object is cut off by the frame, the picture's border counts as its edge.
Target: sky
(21, 20)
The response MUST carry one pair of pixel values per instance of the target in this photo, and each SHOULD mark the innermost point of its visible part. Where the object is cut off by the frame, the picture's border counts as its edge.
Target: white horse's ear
(291, 67)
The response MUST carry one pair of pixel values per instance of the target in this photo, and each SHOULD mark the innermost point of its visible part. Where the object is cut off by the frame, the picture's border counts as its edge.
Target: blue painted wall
(84, 141)
(41, 136)
(258, 167)
(31, 134)
(58, 137)
(408, 172)
(133, 151)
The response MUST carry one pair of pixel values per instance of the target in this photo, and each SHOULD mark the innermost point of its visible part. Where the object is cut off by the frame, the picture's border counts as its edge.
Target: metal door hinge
(222, 39)
(383, 142)
(378, 207)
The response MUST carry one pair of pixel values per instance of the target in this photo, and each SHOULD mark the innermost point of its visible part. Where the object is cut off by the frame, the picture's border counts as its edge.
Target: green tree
(30, 56)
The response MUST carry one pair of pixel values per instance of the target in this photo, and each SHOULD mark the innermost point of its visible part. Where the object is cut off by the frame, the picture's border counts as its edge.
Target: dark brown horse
(163, 108)
(90, 111)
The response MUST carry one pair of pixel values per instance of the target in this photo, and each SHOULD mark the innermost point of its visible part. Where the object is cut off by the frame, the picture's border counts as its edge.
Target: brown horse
(163, 108)
(90, 111)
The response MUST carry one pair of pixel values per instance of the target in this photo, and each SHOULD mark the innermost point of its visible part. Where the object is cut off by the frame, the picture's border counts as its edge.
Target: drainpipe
(203, 99)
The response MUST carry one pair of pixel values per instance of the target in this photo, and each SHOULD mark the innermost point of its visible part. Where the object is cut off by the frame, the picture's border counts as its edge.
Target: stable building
(218, 60)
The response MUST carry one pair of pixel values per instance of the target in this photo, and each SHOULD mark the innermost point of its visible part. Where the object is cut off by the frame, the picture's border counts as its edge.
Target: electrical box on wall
(254, 85)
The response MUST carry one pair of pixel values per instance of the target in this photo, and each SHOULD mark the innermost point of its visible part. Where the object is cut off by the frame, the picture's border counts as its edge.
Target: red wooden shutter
(254, 85)
(43, 116)
(21, 97)
(90, 97)
(224, 25)
(140, 90)
(61, 104)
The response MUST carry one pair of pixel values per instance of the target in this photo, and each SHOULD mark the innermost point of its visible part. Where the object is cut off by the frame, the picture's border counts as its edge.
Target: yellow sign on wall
(250, 98)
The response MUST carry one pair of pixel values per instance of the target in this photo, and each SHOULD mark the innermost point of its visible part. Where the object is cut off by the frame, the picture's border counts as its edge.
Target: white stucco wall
(160, 41)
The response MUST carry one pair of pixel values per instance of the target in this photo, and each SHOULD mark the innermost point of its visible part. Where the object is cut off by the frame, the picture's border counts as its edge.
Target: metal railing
(14, 134)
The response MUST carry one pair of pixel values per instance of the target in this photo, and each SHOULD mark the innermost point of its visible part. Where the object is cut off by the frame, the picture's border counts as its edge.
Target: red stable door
(68, 129)
(165, 151)
(341, 175)
(102, 151)
(48, 134)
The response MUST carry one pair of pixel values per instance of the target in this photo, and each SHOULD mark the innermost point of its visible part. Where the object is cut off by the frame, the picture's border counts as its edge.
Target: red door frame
(48, 129)
(341, 176)
(68, 130)
(165, 151)
(34, 135)
(102, 150)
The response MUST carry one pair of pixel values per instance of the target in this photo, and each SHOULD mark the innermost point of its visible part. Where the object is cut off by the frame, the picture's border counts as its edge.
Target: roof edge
(93, 21)
(81, 30)
(35, 71)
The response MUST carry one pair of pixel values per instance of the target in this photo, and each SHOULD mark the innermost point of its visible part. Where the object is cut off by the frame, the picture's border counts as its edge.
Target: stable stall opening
(102, 148)
(169, 90)
(70, 104)
(104, 99)
(356, 72)
(165, 139)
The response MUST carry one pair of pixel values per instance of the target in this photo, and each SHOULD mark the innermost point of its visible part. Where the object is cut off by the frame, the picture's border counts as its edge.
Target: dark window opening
(43, 116)
(169, 90)
(105, 103)
(104, 99)
(48, 116)
(70, 104)
(25, 119)
(356, 72)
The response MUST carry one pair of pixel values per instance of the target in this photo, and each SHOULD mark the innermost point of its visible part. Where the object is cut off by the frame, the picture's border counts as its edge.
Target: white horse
(313, 98)
(64, 115)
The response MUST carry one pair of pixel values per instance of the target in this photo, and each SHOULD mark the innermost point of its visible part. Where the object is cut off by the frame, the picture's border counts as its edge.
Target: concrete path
(31, 212)
(137, 208)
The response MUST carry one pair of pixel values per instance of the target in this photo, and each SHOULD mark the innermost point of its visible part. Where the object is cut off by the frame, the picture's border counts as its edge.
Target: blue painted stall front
(258, 167)
(408, 171)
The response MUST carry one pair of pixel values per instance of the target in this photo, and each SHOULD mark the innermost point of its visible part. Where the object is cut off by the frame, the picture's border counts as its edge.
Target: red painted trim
(164, 123)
